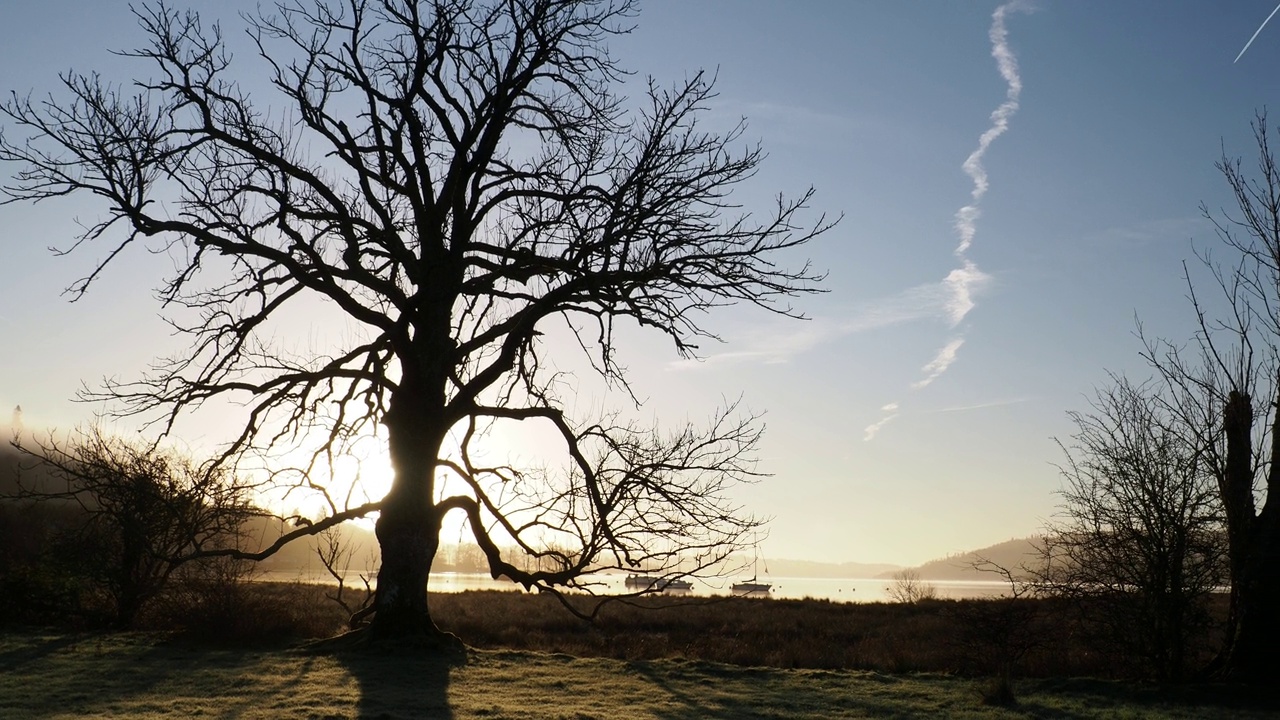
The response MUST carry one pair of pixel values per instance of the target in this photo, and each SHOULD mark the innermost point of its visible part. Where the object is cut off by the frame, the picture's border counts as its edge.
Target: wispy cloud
(1163, 230)
(980, 406)
(873, 429)
(938, 364)
(892, 409)
(962, 283)
(804, 126)
(947, 301)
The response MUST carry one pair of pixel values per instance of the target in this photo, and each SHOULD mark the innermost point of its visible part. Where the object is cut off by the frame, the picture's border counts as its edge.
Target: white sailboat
(753, 586)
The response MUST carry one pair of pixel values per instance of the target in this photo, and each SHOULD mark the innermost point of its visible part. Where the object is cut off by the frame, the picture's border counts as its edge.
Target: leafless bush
(994, 634)
(1140, 542)
(909, 587)
(138, 512)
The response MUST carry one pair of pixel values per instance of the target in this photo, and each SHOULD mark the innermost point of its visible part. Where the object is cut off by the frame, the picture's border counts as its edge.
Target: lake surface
(836, 589)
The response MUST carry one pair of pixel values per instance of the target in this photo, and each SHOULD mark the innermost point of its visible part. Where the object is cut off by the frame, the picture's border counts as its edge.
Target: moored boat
(647, 582)
(640, 582)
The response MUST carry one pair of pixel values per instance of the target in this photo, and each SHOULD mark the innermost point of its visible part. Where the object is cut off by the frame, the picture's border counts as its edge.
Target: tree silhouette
(456, 178)
(1234, 363)
(145, 512)
(1138, 544)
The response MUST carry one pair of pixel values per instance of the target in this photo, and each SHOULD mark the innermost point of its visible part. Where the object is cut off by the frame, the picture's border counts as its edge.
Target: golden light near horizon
(301, 482)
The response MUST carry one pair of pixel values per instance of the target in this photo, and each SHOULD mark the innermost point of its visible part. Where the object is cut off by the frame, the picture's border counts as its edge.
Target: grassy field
(58, 675)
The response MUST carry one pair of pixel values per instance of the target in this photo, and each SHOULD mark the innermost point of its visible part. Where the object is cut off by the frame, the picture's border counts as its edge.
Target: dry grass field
(246, 656)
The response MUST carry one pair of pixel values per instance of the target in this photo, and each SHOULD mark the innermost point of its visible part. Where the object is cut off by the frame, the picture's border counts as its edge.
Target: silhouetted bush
(909, 587)
(1139, 544)
(131, 515)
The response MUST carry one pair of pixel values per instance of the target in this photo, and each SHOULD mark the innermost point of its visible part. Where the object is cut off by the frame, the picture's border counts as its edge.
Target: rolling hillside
(1011, 554)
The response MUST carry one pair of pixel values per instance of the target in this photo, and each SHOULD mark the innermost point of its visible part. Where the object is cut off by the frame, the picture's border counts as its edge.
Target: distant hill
(810, 569)
(1011, 554)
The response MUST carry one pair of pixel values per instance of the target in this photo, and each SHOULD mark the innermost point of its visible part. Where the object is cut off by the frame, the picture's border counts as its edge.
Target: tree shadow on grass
(109, 674)
(404, 684)
(710, 690)
(32, 649)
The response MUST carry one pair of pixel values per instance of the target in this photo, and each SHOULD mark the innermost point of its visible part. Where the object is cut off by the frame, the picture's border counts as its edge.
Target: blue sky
(1091, 207)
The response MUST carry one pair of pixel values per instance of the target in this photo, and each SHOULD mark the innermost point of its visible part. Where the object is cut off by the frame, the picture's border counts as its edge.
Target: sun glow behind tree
(425, 219)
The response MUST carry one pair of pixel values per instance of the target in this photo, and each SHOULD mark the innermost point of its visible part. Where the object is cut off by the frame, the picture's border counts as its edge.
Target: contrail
(967, 216)
(1255, 35)
(964, 280)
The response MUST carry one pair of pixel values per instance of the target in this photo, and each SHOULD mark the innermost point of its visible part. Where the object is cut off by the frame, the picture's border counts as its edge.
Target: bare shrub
(219, 600)
(132, 513)
(909, 587)
(336, 557)
(994, 635)
(1139, 543)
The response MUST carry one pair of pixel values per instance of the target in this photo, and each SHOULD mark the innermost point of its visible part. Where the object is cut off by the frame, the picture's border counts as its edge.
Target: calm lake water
(837, 589)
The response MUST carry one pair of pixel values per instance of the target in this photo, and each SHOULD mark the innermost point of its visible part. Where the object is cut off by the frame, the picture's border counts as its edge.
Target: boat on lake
(640, 582)
(648, 582)
(751, 587)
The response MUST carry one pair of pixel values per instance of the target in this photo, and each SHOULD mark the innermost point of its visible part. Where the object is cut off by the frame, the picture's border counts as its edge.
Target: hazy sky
(913, 415)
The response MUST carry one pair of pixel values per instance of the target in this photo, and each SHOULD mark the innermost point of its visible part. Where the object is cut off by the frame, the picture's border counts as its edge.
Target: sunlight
(359, 474)
(302, 481)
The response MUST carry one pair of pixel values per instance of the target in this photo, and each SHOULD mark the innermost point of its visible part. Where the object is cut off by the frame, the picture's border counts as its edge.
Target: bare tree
(1139, 541)
(908, 587)
(457, 179)
(1216, 385)
(147, 512)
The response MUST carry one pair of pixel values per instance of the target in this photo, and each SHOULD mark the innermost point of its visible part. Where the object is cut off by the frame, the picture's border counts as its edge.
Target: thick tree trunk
(408, 526)
(1254, 652)
(128, 605)
(1253, 554)
(408, 540)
